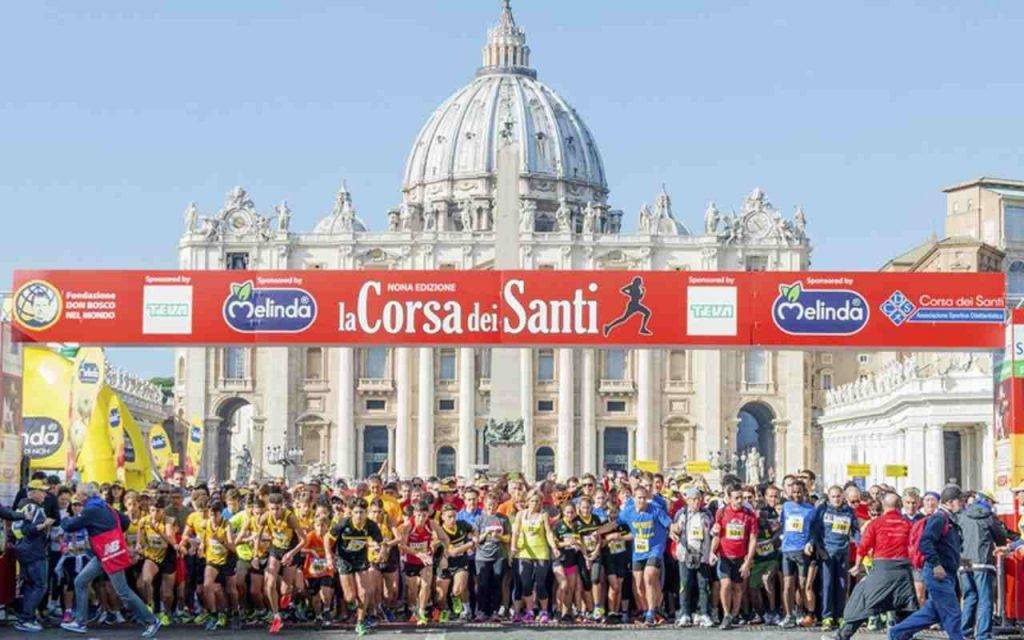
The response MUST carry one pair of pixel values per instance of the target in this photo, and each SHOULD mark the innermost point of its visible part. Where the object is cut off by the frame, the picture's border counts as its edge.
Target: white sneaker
(706, 622)
(74, 627)
(683, 620)
(29, 627)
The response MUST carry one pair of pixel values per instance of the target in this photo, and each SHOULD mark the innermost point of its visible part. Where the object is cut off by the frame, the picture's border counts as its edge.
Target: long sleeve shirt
(887, 537)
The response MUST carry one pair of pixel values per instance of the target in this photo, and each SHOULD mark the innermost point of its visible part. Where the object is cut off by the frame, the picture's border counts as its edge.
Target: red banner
(652, 308)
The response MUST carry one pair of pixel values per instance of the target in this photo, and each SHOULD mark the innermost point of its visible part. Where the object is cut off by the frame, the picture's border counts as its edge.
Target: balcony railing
(376, 385)
(616, 387)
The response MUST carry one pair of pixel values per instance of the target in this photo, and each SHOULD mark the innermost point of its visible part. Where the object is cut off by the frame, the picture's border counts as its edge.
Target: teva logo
(272, 310)
(167, 309)
(710, 311)
(819, 312)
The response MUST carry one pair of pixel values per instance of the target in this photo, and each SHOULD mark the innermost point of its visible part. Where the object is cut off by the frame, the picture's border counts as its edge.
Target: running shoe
(528, 617)
(457, 606)
(421, 619)
(807, 621)
(443, 617)
(201, 619)
(285, 601)
(151, 630)
(360, 629)
(222, 620)
(649, 618)
(68, 616)
(28, 627)
(683, 620)
(788, 622)
(211, 624)
(74, 627)
(165, 620)
(726, 623)
(828, 624)
(276, 624)
(543, 618)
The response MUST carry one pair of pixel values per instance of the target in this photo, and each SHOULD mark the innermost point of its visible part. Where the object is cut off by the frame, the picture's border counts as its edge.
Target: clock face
(238, 222)
(758, 224)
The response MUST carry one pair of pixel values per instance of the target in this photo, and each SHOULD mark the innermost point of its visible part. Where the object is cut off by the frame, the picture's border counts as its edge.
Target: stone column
(258, 424)
(917, 464)
(588, 429)
(403, 435)
(935, 458)
(425, 413)
(645, 445)
(345, 432)
(211, 448)
(526, 410)
(565, 445)
(465, 452)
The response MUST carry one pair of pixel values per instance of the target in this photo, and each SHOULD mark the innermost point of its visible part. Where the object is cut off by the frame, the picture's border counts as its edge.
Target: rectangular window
(862, 358)
(446, 404)
(237, 260)
(616, 406)
(376, 405)
(446, 365)
(1013, 222)
(755, 366)
(757, 263)
(826, 381)
(614, 364)
(375, 363)
(545, 365)
(314, 363)
(234, 363)
(545, 406)
(677, 365)
(483, 363)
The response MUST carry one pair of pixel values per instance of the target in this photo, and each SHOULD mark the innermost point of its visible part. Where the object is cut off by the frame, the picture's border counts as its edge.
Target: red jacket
(887, 537)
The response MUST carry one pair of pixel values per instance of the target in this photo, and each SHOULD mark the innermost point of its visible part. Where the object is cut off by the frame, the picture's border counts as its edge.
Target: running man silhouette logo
(635, 291)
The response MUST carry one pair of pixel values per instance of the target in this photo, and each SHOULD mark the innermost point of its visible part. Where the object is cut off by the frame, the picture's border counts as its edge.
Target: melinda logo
(819, 312)
(271, 310)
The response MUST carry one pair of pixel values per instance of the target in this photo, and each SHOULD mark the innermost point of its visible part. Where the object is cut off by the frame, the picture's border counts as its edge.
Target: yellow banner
(161, 450)
(96, 458)
(698, 466)
(136, 466)
(89, 377)
(193, 451)
(650, 466)
(45, 402)
(858, 470)
(895, 471)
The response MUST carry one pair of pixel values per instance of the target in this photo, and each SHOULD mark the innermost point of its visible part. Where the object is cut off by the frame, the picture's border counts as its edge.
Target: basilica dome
(454, 157)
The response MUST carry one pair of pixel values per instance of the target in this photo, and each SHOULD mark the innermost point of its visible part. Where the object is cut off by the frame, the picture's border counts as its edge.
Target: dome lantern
(506, 50)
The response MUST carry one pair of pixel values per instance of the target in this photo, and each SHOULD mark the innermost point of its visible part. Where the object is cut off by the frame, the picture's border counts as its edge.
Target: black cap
(950, 493)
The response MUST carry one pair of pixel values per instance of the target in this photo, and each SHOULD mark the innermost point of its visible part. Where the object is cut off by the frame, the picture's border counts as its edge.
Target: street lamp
(289, 457)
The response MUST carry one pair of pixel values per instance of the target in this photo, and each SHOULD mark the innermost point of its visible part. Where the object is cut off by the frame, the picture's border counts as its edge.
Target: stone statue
(505, 432)
(644, 222)
(263, 227)
(589, 218)
(527, 212)
(191, 218)
(284, 216)
(244, 468)
(754, 467)
(394, 220)
(487, 218)
(405, 217)
(430, 220)
(711, 219)
(800, 224)
(237, 198)
(563, 216)
(210, 228)
(716, 460)
(466, 215)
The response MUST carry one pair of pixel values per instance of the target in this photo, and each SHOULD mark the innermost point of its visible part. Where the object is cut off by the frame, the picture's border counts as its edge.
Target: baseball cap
(692, 493)
(37, 485)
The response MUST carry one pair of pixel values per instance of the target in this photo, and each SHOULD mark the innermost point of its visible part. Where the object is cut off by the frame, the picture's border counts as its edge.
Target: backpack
(916, 530)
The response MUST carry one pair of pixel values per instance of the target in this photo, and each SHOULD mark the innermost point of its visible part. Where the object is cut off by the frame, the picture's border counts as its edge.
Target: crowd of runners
(620, 548)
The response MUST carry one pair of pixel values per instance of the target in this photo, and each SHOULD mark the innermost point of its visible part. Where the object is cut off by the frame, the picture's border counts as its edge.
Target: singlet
(154, 546)
(373, 555)
(586, 530)
(243, 548)
(197, 522)
(316, 565)
(533, 542)
(419, 542)
(215, 543)
(131, 534)
(351, 543)
(459, 535)
(281, 533)
(75, 543)
(306, 520)
(566, 532)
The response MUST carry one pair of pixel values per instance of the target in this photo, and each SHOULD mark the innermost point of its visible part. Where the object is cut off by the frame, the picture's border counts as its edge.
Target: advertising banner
(135, 464)
(161, 451)
(194, 451)
(46, 402)
(96, 456)
(1008, 421)
(88, 378)
(518, 308)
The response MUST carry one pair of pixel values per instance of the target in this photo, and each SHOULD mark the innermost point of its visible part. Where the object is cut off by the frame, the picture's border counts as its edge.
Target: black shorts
(258, 566)
(278, 554)
(617, 564)
(412, 570)
(455, 565)
(392, 563)
(729, 569)
(224, 571)
(69, 573)
(169, 565)
(315, 584)
(640, 565)
(796, 563)
(349, 566)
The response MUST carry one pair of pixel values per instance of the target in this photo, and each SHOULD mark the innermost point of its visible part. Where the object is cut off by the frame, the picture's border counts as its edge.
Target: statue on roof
(191, 218)
(711, 219)
(284, 216)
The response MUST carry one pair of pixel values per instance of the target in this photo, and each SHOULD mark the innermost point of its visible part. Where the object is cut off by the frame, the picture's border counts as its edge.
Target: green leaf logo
(242, 291)
(790, 292)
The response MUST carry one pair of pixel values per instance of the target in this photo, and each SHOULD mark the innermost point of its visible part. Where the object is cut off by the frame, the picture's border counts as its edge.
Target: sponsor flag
(161, 451)
(194, 450)
(115, 431)
(46, 398)
(88, 378)
(137, 468)
(96, 457)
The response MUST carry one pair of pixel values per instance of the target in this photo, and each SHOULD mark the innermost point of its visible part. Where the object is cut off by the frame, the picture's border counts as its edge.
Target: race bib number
(355, 545)
(765, 548)
(695, 532)
(795, 524)
(616, 546)
(641, 545)
(282, 538)
(319, 565)
(216, 547)
(841, 525)
(418, 547)
(734, 530)
(590, 542)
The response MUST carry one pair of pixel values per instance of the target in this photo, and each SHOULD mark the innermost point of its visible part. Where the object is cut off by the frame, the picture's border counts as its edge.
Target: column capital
(259, 422)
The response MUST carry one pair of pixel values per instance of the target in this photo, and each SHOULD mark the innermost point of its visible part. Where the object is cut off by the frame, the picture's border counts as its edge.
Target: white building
(934, 412)
(504, 174)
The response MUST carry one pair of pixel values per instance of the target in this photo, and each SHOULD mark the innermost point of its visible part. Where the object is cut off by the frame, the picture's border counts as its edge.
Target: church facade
(504, 174)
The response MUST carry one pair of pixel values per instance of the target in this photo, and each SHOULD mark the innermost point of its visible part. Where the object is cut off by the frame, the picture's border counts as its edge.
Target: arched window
(314, 363)
(614, 364)
(755, 366)
(234, 363)
(615, 454)
(545, 462)
(445, 462)
(375, 363)
(375, 449)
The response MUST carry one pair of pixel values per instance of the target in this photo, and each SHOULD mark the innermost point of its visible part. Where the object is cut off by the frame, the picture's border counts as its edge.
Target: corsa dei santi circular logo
(37, 305)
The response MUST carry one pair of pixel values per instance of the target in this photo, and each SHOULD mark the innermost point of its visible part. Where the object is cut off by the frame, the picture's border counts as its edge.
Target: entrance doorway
(615, 449)
(445, 462)
(952, 445)
(234, 432)
(545, 462)
(755, 432)
(375, 449)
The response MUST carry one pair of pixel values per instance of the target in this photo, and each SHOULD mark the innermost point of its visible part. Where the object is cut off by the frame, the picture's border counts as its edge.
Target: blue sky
(114, 115)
